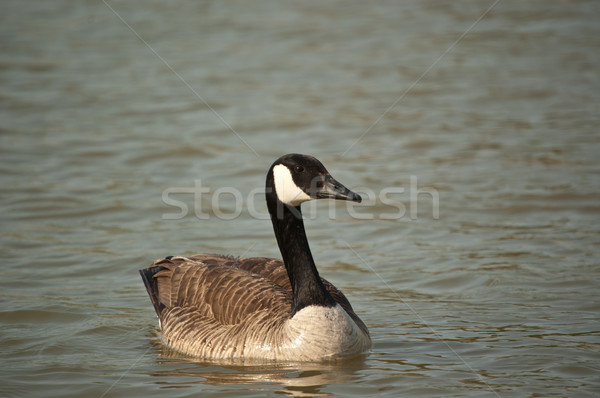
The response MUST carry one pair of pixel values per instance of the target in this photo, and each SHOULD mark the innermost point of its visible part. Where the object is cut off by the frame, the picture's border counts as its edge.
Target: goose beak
(327, 187)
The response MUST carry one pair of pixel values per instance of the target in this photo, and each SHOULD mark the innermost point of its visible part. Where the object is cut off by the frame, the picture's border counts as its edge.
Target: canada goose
(220, 307)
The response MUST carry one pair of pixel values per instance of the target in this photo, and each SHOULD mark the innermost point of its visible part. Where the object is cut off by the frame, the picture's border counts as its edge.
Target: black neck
(307, 288)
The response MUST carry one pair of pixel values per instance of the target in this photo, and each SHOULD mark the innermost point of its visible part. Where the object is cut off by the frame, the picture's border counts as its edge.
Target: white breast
(316, 333)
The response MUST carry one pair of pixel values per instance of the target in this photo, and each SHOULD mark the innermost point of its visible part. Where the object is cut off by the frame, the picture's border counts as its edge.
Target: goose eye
(299, 169)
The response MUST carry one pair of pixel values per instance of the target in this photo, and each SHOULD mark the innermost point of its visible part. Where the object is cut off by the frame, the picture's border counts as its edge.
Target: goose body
(221, 307)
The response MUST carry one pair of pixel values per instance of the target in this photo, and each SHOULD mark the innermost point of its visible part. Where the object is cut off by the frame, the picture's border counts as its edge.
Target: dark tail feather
(152, 288)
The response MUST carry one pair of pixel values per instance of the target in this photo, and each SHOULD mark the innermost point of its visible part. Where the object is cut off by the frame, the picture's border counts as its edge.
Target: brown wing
(214, 288)
(274, 270)
(225, 288)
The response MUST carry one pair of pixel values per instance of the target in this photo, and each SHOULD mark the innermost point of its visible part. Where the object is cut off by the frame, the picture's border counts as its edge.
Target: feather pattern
(242, 311)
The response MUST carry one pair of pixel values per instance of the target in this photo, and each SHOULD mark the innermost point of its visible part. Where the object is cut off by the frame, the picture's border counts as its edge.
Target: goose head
(294, 179)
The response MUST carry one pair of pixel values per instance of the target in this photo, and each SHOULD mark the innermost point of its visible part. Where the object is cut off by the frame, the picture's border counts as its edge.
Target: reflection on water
(295, 379)
(498, 296)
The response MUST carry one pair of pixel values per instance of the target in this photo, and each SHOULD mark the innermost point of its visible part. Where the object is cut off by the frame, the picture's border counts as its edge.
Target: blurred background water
(484, 111)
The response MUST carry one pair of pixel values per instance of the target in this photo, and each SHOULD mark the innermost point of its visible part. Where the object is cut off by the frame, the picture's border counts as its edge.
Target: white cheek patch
(286, 189)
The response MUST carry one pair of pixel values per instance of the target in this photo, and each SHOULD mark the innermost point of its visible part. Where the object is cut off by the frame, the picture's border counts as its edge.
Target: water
(494, 124)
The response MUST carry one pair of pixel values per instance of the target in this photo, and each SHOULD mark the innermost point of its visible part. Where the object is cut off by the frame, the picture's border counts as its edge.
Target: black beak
(327, 187)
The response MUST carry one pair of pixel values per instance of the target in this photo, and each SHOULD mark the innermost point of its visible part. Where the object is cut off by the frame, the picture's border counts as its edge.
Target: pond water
(130, 131)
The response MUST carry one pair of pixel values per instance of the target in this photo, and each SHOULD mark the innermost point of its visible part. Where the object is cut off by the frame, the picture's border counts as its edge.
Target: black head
(299, 178)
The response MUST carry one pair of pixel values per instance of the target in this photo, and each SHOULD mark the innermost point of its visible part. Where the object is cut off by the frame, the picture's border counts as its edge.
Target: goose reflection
(297, 379)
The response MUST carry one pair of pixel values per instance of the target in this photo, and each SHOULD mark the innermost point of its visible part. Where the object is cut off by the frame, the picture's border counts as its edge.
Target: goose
(213, 306)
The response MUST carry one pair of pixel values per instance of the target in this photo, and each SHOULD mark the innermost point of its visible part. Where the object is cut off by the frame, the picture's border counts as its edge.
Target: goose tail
(152, 287)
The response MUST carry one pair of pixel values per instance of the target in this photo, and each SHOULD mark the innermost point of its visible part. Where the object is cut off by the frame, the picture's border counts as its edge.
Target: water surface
(477, 274)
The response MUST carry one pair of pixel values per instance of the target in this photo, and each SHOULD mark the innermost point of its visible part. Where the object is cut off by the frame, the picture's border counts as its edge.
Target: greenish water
(472, 131)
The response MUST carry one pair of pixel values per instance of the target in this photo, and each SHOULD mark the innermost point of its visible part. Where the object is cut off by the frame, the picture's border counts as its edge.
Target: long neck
(307, 288)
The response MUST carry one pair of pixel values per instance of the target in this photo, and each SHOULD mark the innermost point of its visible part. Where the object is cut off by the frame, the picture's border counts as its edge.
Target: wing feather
(218, 290)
